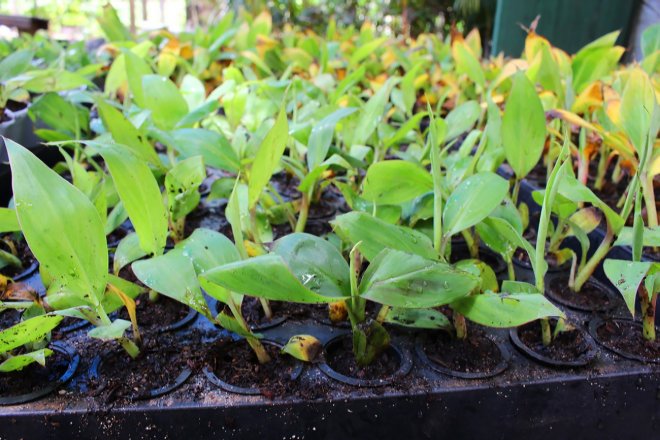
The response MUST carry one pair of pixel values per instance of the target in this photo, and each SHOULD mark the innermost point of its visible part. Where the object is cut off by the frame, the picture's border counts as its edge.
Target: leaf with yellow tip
(303, 347)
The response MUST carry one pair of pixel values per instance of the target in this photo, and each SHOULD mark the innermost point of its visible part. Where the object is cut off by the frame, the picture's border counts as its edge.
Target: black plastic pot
(582, 361)
(614, 297)
(405, 364)
(596, 323)
(248, 391)
(500, 367)
(97, 365)
(73, 360)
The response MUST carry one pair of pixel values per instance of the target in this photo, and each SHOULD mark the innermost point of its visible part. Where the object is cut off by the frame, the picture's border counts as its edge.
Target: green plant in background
(25, 343)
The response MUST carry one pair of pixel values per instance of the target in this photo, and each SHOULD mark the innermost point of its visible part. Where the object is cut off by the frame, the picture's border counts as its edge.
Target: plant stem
(648, 312)
(266, 306)
(153, 296)
(602, 168)
(588, 269)
(130, 347)
(253, 224)
(355, 262)
(516, 190)
(546, 332)
(649, 201)
(472, 244)
(511, 269)
(304, 212)
(382, 314)
(459, 325)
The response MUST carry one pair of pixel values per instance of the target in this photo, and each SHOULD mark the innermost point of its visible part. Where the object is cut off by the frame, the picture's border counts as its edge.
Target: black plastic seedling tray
(612, 398)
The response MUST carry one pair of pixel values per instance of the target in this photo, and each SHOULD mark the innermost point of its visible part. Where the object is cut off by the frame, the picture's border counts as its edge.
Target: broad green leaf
(399, 279)
(651, 237)
(52, 80)
(418, 318)
(651, 39)
(136, 69)
(317, 264)
(216, 150)
(113, 28)
(505, 310)
(376, 235)
(467, 63)
(574, 190)
(71, 245)
(523, 126)
(368, 342)
(348, 82)
(182, 186)
(365, 50)
(472, 201)
(60, 114)
(321, 136)
(140, 195)
(372, 112)
(481, 271)
(174, 276)
(110, 332)
(637, 106)
(8, 220)
(510, 287)
(462, 119)
(128, 250)
(21, 361)
(124, 132)
(31, 330)
(208, 249)
(164, 100)
(265, 276)
(267, 158)
(596, 60)
(193, 91)
(15, 64)
(411, 125)
(392, 182)
(627, 276)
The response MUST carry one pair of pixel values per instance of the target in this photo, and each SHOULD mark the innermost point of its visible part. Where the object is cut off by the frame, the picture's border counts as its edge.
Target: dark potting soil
(253, 311)
(209, 215)
(23, 253)
(590, 297)
(523, 258)
(161, 360)
(340, 358)
(566, 346)
(235, 363)
(33, 377)
(286, 185)
(461, 252)
(116, 236)
(9, 317)
(475, 354)
(156, 314)
(626, 336)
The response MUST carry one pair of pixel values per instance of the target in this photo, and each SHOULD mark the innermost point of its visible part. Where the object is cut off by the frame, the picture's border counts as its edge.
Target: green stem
(511, 269)
(355, 262)
(130, 347)
(602, 168)
(382, 314)
(304, 212)
(588, 269)
(546, 332)
(259, 350)
(516, 191)
(268, 312)
(649, 201)
(253, 225)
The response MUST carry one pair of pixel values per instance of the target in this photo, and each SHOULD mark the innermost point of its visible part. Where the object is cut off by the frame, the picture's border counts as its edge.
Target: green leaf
(651, 237)
(510, 287)
(113, 28)
(596, 60)
(265, 276)
(372, 113)
(164, 100)
(462, 119)
(55, 80)
(505, 310)
(9, 259)
(31, 330)
(399, 279)
(193, 91)
(467, 63)
(124, 132)
(321, 136)
(71, 245)
(8, 220)
(208, 249)
(136, 69)
(637, 105)
(626, 276)
(376, 234)
(317, 264)
(140, 195)
(216, 150)
(21, 361)
(650, 40)
(174, 276)
(523, 126)
(472, 201)
(110, 332)
(368, 342)
(267, 158)
(303, 347)
(128, 250)
(392, 182)
(411, 125)
(418, 318)
(365, 50)
(182, 186)
(574, 190)
(15, 64)
(62, 115)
